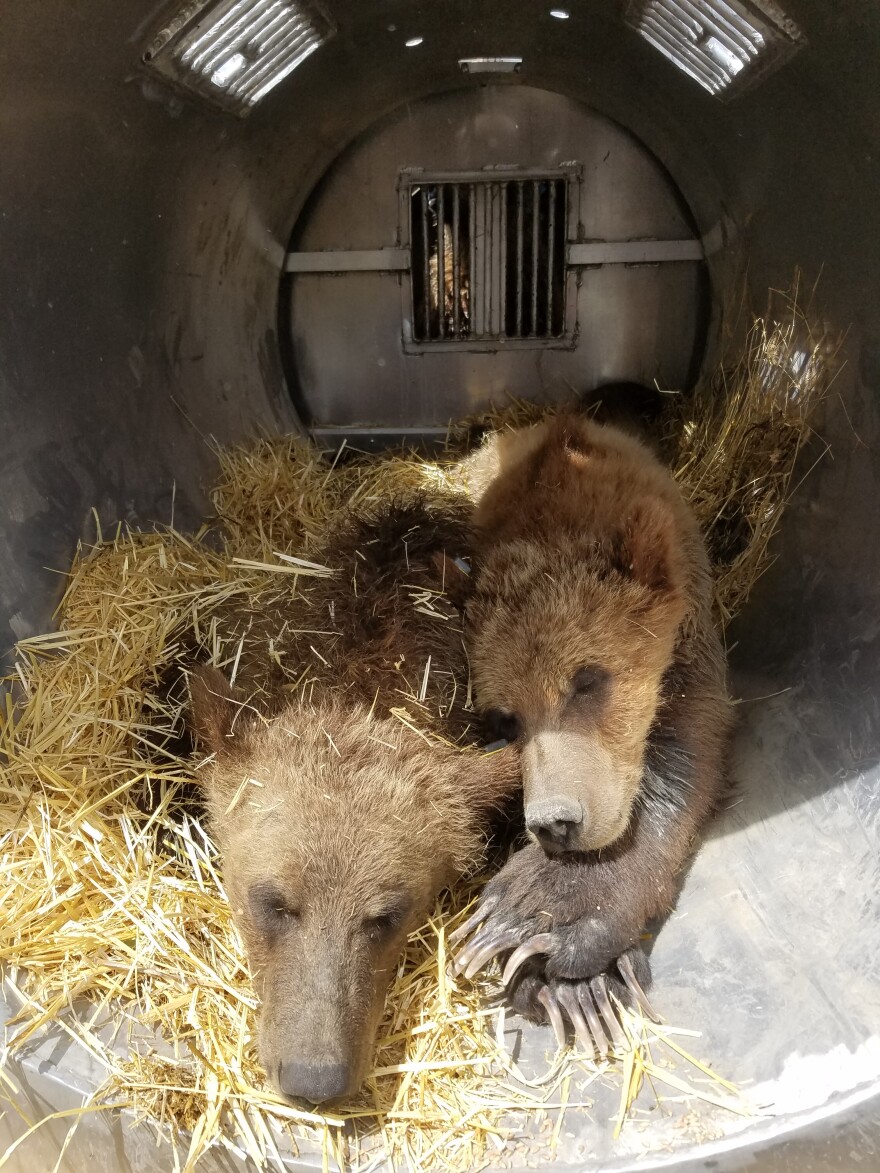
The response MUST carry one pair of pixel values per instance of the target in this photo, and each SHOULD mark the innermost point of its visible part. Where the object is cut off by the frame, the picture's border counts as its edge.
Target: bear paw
(562, 911)
(591, 1007)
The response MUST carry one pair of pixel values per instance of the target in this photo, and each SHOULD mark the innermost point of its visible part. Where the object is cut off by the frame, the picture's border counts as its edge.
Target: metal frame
(756, 33)
(578, 254)
(291, 35)
(408, 177)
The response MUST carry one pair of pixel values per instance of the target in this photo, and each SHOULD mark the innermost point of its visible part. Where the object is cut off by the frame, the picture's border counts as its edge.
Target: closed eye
(270, 910)
(590, 681)
(387, 921)
(502, 725)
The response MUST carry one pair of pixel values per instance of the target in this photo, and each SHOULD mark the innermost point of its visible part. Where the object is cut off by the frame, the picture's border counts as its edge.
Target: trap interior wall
(143, 240)
(357, 347)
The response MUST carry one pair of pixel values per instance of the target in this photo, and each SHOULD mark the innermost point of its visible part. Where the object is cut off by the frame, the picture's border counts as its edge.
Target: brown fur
(591, 639)
(337, 823)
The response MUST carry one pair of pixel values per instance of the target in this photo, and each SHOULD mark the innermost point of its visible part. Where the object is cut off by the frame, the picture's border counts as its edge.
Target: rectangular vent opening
(726, 46)
(489, 260)
(233, 52)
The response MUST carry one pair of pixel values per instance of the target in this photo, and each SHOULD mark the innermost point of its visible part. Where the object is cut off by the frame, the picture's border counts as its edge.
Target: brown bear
(592, 644)
(343, 789)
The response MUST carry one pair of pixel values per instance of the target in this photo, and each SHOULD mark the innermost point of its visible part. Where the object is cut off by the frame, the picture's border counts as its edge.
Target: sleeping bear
(344, 786)
(588, 619)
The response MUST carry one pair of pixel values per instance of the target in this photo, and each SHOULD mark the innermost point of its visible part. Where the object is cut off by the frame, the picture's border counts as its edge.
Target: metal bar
(489, 259)
(216, 33)
(472, 256)
(287, 43)
(426, 261)
(733, 39)
(489, 344)
(264, 40)
(487, 174)
(242, 23)
(255, 95)
(536, 197)
(489, 64)
(701, 68)
(343, 260)
(519, 258)
(634, 252)
(484, 202)
(270, 58)
(441, 262)
(681, 22)
(551, 240)
(673, 23)
(728, 18)
(456, 261)
(653, 37)
(502, 261)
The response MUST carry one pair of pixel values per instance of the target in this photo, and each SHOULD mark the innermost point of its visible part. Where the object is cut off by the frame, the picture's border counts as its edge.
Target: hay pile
(735, 441)
(112, 912)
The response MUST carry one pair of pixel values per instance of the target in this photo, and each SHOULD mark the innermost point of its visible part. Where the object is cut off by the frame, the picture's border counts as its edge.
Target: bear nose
(314, 1081)
(551, 821)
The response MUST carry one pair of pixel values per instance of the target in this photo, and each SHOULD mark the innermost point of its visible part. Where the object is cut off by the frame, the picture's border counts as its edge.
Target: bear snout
(554, 821)
(577, 799)
(316, 1082)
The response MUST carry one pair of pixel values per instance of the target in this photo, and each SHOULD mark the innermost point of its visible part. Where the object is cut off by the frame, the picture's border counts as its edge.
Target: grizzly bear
(344, 790)
(589, 626)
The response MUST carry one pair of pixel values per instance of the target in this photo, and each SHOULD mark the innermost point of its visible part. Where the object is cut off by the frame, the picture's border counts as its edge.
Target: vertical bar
(536, 196)
(551, 240)
(472, 258)
(426, 262)
(502, 262)
(519, 258)
(485, 202)
(456, 263)
(475, 264)
(492, 221)
(491, 190)
(441, 262)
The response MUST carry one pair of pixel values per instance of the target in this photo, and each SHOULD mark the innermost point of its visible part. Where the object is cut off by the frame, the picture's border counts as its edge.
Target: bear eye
(270, 911)
(591, 680)
(382, 925)
(502, 726)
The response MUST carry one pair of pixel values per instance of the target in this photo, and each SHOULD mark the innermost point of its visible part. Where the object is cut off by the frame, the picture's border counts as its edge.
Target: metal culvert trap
(362, 220)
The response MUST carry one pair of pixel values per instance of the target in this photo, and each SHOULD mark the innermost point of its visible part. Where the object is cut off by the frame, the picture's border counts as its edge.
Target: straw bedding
(113, 920)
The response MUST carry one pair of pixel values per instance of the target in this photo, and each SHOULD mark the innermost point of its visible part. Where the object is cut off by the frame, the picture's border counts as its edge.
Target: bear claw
(476, 918)
(598, 1037)
(477, 954)
(625, 965)
(539, 944)
(588, 1007)
(599, 990)
(547, 1000)
(588, 1033)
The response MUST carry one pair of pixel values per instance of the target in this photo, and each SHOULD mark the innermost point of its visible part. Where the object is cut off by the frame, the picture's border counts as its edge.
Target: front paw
(547, 909)
(506, 917)
(591, 1008)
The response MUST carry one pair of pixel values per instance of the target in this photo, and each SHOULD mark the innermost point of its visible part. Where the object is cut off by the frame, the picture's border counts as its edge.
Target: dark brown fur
(590, 631)
(337, 823)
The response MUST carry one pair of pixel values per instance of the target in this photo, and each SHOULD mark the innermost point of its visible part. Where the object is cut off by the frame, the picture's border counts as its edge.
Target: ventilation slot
(724, 46)
(488, 260)
(233, 52)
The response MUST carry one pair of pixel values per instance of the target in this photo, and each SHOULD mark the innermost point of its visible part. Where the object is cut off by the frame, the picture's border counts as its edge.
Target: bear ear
(213, 708)
(577, 447)
(650, 547)
(456, 582)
